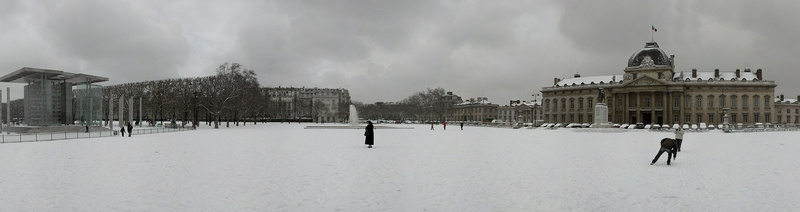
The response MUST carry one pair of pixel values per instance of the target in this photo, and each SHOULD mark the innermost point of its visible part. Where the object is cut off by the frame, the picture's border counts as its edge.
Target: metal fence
(80, 134)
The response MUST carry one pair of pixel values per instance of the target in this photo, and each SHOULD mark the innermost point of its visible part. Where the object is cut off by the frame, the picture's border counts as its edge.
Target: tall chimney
(737, 74)
(781, 97)
(716, 73)
(556, 80)
(758, 74)
(694, 73)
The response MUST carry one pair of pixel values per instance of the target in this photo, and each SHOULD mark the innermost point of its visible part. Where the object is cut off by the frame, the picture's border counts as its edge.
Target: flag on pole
(654, 28)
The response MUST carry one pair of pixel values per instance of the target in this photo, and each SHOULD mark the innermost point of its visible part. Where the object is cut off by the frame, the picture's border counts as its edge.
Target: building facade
(787, 111)
(520, 112)
(650, 91)
(316, 104)
(473, 110)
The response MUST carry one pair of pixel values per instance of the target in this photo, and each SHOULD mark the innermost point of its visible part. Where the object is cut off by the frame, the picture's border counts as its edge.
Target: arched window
(744, 101)
(563, 104)
(571, 103)
(766, 101)
(722, 101)
(580, 103)
(733, 102)
(756, 99)
(547, 104)
(699, 102)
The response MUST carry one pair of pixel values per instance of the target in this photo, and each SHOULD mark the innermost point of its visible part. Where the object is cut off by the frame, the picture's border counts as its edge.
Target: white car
(623, 126)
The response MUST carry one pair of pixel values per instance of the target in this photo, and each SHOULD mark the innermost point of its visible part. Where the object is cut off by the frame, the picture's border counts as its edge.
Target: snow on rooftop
(786, 101)
(705, 76)
(588, 80)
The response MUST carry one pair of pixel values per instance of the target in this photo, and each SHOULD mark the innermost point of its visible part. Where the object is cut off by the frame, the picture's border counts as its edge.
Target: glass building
(49, 97)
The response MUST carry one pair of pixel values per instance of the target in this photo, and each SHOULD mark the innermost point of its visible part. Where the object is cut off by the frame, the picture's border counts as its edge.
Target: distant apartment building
(474, 110)
(520, 112)
(787, 111)
(316, 104)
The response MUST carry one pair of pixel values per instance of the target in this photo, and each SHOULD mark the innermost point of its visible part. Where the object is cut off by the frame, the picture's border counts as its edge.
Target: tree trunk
(216, 123)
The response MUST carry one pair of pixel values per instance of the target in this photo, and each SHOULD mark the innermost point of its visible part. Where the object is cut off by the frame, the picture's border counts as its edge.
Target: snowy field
(283, 167)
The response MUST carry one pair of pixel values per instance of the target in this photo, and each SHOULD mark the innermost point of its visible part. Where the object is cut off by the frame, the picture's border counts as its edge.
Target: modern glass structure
(49, 97)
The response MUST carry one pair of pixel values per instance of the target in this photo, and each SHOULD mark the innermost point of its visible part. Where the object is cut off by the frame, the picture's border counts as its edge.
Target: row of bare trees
(232, 94)
(428, 105)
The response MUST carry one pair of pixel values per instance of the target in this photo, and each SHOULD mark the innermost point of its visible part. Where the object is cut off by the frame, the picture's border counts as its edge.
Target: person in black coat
(130, 128)
(667, 145)
(370, 135)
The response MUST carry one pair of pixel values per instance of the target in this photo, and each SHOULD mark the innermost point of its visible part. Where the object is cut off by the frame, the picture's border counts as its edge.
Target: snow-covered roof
(476, 102)
(786, 101)
(705, 76)
(588, 80)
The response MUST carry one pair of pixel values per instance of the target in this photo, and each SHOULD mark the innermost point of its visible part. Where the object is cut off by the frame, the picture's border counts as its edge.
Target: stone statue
(601, 97)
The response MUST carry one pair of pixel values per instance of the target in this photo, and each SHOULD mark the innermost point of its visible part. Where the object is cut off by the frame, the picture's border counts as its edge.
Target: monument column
(121, 99)
(8, 108)
(140, 112)
(110, 123)
(130, 110)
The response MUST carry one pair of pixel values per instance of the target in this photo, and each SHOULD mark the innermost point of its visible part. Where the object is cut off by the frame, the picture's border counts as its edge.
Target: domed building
(649, 91)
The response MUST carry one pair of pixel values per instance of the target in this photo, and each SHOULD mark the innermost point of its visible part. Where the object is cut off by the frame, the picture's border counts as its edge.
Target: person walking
(679, 136)
(431, 125)
(445, 125)
(370, 140)
(122, 130)
(462, 125)
(667, 145)
(130, 129)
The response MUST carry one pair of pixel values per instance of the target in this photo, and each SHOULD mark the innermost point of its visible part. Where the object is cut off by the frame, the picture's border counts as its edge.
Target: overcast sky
(387, 50)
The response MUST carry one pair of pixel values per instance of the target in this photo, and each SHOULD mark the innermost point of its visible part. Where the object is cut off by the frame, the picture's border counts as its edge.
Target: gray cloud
(387, 50)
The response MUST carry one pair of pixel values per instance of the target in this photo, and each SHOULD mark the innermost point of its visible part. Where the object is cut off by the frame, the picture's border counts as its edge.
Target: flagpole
(651, 34)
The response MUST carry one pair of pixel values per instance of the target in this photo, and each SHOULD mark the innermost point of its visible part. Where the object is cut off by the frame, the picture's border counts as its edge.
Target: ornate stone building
(650, 91)
(473, 110)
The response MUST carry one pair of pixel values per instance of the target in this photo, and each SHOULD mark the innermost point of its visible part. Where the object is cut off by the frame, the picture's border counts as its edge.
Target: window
(688, 102)
(755, 102)
(688, 118)
(722, 101)
(633, 102)
(675, 119)
(660, 102)
(547, 104)
(744, 101)
(660, 75)
(634, 76)
(563, 104)
(580, 118)
(766, 102)
(744, 118)
(589, 117)
(589, 104)
(580, 103)
(571, 103)
(563, 118)
(675, 102)
(699, 118)
(710, 102)
(619, 103)
(710, 118)
(572, 118)
(733, 101)
(755, 117)
(733, 118)
(767, 118)
(646, 102)
(699, 102)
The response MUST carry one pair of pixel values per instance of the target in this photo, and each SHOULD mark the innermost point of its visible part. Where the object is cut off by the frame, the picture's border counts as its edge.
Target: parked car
(647, 126)
(639, 125)
(703, 126)
(711, 127)
(694, 127)
(585, 125)
(615, 125)
(632, 126)
(655, 126)
(624, 126)
(686, 127)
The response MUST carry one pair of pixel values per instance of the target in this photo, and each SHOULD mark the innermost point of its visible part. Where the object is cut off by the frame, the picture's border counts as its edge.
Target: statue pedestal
(601, 116)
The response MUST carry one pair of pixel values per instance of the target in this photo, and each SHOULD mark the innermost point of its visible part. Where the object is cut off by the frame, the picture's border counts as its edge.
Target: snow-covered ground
(283, 167)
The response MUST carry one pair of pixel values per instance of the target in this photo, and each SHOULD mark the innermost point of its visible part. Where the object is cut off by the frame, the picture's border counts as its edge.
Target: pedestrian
(445, 125)
(130, 129)
(431, 125)
(679, 137)
(462, 125)
(667, 145)
(122, 130)
(370, 140)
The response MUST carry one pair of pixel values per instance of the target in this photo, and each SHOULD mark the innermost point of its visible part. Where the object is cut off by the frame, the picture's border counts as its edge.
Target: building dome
(657, 56)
